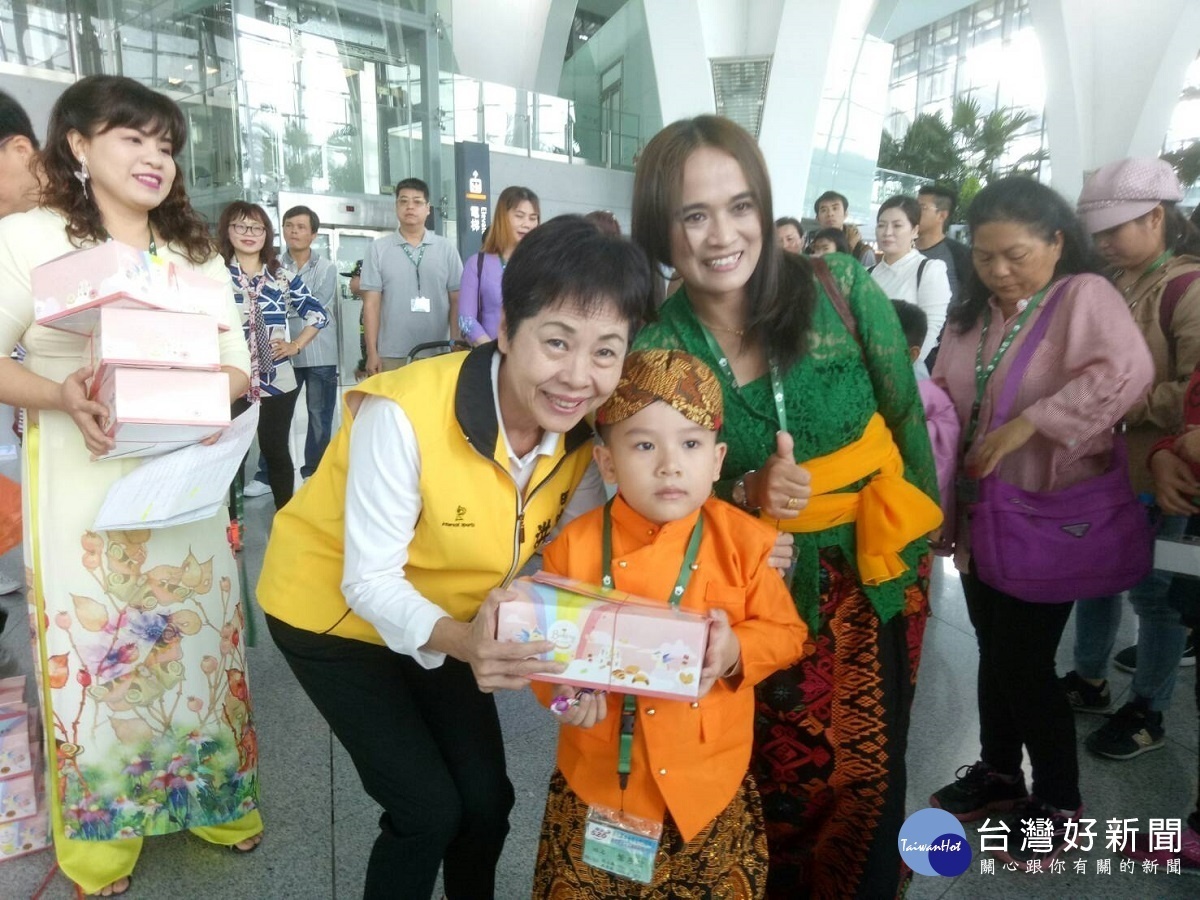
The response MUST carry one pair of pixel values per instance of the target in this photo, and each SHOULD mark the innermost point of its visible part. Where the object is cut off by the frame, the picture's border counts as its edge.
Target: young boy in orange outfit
(686, 767)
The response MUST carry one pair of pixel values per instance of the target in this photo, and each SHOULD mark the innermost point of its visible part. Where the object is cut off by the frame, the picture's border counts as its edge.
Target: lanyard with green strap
(629, 708)
(983, 373)
(723, 364)
(1158, 263)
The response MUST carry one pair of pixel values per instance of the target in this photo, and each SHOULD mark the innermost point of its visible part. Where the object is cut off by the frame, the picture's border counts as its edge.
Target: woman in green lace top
(833, 798)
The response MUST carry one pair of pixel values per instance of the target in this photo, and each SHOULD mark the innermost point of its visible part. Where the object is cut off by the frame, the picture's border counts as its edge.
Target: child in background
(688, 760)
(940, 417)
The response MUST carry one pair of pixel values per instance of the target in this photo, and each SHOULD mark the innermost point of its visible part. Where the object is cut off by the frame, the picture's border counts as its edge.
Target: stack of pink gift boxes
(608, 639)
(155, 355)
(24, 827)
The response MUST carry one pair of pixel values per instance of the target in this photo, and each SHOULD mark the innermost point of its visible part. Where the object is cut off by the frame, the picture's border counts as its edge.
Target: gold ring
(793, 503)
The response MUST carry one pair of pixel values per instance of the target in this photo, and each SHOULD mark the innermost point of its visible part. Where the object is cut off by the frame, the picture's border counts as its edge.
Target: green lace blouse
(829, 395)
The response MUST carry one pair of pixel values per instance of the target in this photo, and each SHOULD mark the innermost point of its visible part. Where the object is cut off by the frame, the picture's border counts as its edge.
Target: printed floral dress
(139, 633)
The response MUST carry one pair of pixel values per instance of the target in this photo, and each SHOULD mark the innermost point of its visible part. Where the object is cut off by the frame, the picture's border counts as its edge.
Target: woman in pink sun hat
(1129, 207)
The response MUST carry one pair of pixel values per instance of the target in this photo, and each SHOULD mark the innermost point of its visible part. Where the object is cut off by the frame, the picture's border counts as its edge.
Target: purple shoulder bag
(1087, 540)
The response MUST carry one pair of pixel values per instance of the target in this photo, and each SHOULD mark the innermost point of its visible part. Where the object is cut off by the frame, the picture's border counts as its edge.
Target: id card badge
(621, 844)
(421, 304)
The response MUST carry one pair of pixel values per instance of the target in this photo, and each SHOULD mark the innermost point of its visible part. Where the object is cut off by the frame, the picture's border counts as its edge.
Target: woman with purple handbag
(1042, 360)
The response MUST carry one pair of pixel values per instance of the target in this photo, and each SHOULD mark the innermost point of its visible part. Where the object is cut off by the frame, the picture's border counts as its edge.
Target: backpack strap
(921, 271)
(835, 297)
(1171, 296)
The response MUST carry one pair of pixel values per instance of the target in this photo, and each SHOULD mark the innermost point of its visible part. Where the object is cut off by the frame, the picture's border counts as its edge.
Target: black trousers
(274, 425)
(427, 746)
(1021, 702)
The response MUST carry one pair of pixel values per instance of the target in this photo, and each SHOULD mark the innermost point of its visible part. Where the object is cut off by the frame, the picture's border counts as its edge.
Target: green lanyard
(629, 708)
(416, 262)
(983, 374)
(1158, 263)
(723, 364)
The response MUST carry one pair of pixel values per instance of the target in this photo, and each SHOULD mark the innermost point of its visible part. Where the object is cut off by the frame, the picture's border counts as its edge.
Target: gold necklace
(737, 332)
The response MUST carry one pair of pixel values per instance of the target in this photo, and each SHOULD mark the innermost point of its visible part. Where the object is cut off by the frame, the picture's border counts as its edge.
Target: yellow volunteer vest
(474, 532)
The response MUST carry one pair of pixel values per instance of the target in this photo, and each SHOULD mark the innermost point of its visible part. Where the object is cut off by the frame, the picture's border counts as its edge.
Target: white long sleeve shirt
(383, 503)
(899, 282)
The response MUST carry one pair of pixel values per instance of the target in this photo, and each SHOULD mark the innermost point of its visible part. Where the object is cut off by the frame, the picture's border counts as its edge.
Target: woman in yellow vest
(382, 575)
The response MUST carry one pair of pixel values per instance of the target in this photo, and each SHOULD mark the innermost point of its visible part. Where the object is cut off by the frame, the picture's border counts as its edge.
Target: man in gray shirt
(317, 364)
(409, 284)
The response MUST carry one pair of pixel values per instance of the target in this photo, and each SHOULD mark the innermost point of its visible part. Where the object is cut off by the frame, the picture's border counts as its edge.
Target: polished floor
(320, 825)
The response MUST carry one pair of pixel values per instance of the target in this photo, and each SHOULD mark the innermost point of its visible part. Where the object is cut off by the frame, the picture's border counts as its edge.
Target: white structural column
(812, 44)
(518, 43)
(1114, 69)
(681, 67)
(804, 47)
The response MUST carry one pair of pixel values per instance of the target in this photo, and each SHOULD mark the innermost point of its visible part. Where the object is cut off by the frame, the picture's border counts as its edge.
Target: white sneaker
(255, 488)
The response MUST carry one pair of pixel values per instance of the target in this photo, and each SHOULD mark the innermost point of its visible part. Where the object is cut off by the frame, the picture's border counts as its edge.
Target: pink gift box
(148, 406)
(155, 339)
(12, 690)
(15, 758)
(25, 836)
(18, 797)
(69, 291)
(609, 640)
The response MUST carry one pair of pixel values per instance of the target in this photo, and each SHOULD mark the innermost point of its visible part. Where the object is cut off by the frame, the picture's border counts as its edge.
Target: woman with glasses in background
(264, 290)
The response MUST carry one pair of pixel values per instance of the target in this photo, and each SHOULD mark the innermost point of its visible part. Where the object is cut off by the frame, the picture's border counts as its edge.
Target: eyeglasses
(410, 201)
(256, 230)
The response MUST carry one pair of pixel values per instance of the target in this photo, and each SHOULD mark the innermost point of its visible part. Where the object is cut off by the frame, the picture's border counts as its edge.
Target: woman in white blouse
(903, 273)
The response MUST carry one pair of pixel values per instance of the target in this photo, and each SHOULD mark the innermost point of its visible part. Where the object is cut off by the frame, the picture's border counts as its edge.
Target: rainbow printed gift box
(608, 639)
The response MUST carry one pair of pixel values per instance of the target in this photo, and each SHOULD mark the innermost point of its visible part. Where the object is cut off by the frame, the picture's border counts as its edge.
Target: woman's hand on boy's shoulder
(783, 553)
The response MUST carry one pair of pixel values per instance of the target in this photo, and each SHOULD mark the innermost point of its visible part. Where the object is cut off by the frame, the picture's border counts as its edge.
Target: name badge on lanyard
(421, 305)
(621, 844)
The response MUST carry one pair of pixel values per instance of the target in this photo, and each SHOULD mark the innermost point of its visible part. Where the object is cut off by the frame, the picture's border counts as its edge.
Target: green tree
(963, 153)
(1186, 162)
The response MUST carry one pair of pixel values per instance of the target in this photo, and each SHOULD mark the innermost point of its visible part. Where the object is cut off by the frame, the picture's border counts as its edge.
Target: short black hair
(795, 223)
(913, 322)
(569, 260)
(835, 236)
(313, 221)
(14, 121)
(907, 205)
(831, 195)
(412, 184)
(1044, 213)
(944, 198)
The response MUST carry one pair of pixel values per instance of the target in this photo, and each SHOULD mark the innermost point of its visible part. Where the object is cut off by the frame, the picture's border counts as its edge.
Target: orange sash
(889, 512)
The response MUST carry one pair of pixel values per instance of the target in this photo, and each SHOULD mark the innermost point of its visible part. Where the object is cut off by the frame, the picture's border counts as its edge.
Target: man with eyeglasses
(937, 208)
(409, 284)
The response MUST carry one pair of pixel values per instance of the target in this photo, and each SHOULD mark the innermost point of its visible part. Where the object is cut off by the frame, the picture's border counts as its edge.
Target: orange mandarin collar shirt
(688, 757)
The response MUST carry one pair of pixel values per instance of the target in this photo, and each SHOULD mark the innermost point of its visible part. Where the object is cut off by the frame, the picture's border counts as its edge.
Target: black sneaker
(1037, 835)
(1126, 660)
(979, 790)
(1131, 731)
(1084, 696)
